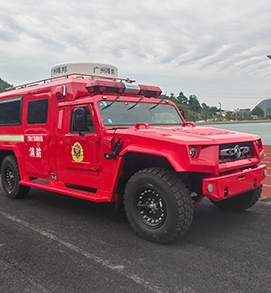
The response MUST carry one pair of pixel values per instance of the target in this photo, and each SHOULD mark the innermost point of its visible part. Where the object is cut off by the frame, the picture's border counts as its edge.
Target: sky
(216, 49)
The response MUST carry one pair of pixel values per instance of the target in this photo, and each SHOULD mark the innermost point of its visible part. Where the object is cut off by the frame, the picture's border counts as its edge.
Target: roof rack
(70, 75)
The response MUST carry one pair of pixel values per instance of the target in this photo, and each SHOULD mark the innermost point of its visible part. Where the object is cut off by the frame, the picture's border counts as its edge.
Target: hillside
(265, 104)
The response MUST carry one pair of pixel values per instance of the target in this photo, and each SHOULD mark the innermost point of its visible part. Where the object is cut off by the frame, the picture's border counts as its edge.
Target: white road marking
(118, 268)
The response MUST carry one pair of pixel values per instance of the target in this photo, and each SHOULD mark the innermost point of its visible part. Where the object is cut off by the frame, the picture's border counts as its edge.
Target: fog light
(210, 187)
(193, 152)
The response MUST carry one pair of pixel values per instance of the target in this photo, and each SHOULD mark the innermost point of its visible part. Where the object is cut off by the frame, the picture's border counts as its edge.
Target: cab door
(82, 156)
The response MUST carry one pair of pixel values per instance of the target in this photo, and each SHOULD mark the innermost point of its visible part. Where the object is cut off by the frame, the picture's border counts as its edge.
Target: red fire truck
(86, 133)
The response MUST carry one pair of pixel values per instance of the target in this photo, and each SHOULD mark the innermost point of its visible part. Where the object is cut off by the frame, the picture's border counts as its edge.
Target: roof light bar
(125, 88)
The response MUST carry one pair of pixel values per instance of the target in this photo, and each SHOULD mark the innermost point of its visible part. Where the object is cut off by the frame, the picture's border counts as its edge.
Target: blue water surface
(263, 129)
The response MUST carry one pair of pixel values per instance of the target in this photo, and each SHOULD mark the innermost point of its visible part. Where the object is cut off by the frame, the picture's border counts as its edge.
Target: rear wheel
(158, 205)
(240, 202)
(10, 177)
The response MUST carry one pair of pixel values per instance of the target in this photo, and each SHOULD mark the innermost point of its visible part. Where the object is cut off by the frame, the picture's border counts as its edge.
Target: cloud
(214, 49)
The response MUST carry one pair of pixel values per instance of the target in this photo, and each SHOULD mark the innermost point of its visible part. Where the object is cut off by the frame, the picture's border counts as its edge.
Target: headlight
(193, 152)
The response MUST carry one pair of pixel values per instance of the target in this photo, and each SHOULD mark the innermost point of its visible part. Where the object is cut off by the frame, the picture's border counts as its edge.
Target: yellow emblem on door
(77, 152)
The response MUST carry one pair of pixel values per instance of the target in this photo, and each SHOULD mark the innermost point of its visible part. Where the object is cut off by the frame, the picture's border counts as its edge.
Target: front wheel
(10, 177)
(240, 202)
(158, 205)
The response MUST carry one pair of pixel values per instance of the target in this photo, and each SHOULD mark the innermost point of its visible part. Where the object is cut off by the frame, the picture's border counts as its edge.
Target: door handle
(68, 142)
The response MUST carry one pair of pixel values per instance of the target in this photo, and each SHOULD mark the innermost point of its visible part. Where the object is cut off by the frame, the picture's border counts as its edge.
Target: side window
(37, 112)
(89, 123)
(11, 111)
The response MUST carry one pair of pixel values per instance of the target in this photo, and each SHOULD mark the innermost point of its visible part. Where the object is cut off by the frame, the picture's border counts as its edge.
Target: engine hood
(191, 135)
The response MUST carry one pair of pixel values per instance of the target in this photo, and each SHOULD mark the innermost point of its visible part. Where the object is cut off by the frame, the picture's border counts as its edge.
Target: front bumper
(222, 187)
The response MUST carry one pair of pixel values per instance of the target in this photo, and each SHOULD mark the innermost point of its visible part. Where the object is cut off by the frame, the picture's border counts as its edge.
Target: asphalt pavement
(53, 243)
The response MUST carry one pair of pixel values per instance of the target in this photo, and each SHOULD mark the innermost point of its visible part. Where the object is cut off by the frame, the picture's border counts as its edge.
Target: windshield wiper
(107, 106)
(135, 104)
(157, 104)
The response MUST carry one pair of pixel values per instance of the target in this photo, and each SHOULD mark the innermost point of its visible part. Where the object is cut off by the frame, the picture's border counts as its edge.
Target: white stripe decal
(12, 138)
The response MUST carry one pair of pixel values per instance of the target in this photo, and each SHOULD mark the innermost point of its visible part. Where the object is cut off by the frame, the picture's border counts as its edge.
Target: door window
(89, 127)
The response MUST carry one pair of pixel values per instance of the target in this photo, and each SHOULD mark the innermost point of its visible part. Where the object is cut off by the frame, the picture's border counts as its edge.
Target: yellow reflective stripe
(12, 137)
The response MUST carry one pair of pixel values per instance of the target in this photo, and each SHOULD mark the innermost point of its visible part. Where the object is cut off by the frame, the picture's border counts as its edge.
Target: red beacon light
(150, 91)
(105, 86)
(122, 88)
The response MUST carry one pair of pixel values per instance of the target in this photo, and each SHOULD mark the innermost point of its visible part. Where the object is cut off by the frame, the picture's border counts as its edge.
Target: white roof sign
(88, 68)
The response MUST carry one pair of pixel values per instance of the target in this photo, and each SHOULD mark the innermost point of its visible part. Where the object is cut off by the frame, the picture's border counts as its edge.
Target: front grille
(235, 151)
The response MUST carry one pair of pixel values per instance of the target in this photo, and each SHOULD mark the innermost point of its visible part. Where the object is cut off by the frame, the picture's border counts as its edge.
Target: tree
(205, 112)
(213, 110)
(172, 97)
(194, 104)
(229, 116)
(182, 98)
(4, 85)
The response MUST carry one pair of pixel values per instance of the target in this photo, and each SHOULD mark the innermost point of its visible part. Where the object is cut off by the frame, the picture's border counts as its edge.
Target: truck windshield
(129, 113)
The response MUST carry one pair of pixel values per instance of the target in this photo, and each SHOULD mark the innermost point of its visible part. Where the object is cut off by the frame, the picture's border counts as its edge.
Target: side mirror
(79, 119)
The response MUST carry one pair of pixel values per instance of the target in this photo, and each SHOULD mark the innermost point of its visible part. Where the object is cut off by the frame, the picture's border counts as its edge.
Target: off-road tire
(158, 205)
(240, 202)
(10, 177)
